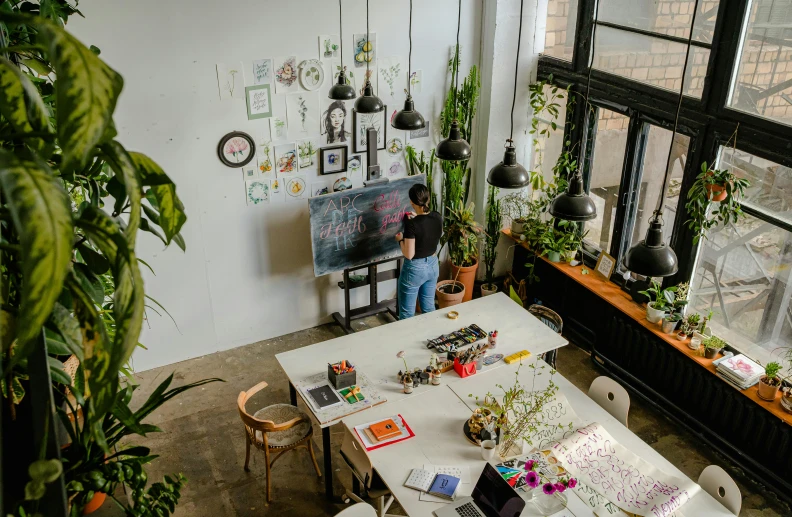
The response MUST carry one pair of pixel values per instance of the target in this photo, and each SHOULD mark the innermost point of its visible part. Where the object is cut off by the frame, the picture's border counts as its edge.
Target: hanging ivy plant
(714, 199)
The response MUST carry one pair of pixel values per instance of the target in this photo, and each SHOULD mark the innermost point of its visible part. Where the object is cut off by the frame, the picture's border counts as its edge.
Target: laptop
(492, 497)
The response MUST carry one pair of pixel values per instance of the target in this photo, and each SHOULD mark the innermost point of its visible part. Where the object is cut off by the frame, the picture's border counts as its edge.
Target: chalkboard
(356, 227)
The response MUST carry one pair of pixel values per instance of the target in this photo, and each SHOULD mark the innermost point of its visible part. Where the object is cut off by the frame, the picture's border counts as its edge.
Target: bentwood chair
(277, 429)
(550, 318)
(612, 397)
(720, 485)
(373, 487)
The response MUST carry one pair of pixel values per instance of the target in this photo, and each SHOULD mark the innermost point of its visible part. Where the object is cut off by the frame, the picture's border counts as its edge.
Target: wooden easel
(374, 307)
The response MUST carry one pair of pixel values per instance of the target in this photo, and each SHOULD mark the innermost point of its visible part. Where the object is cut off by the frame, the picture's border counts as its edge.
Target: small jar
(424, 378)
(408, 387)
(436, 377)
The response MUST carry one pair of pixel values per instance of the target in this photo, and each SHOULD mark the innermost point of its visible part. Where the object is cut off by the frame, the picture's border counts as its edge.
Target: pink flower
(572, 483)
(548, 488)
(559, 487)
(532, 478)
(529, 465)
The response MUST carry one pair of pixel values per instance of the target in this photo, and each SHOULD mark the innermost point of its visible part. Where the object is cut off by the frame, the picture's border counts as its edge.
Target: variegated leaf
(171, 209)
(20, 102)
(42, 219)
(86, 91)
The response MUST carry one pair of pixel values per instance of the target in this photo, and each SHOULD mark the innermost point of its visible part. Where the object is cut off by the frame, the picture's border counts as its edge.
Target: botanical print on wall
(306, 150)
(334, 122)
(278, 129)
(311, 74)
(231, 81)
(392, 73)
(286, 159)
(302, 110)
(364, 49)
(395, 146)
(296, 188)
(262, 71)
(355, 163)
(395, 169)
(258, 191)
(286, 75)
(329, 46)
(259, 102)
(275, 186)
(236, 150)
(416, 81)
(321, 189)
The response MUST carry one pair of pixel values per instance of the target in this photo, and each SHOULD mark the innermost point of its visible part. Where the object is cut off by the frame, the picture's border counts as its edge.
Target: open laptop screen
(495, 497)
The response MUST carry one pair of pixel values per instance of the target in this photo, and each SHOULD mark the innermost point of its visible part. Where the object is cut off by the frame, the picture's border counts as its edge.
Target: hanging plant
(714, 199)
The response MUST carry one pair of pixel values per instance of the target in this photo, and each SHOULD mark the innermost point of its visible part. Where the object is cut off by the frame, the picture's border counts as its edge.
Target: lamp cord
(516, 70)
(341, 32)
(409, 57)
(368, 41)
(588, 79)
(456, 58)
(659, 211)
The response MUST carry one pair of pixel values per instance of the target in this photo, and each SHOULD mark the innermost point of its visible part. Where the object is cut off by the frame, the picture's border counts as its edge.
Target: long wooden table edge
(619, 299)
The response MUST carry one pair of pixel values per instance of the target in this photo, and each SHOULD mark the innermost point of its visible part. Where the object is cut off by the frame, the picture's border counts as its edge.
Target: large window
(560, 30)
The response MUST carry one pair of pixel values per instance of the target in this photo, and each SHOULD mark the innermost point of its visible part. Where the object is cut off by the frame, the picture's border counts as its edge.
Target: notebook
(385, 429)
(324, 396)
(439, 485)
(370, 443)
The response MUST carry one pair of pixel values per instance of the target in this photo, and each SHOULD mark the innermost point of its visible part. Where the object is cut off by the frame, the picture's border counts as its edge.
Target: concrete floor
(203, 437)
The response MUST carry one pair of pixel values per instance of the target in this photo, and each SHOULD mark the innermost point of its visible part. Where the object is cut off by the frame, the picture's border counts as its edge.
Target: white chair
(612, 397)
(358, 510)
(373, 487)
(717, 483)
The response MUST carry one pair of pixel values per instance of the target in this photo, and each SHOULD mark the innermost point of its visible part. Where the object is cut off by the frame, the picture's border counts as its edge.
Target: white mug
(488, 449)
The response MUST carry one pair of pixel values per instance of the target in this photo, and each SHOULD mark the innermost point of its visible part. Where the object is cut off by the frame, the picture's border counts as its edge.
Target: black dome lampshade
(368, 102)
(652, 257)
(454, 148)
(408, 119)
(342, 90)
(574, 204)
(509, 173)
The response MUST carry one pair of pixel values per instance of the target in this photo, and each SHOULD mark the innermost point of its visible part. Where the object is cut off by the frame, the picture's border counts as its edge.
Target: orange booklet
(385, 429)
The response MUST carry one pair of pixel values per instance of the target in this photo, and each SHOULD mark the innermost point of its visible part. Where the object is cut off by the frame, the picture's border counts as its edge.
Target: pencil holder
(341, 380)
(464, 370)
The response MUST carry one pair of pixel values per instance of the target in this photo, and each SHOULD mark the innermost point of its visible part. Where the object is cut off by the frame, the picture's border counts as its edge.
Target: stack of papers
(740, 371)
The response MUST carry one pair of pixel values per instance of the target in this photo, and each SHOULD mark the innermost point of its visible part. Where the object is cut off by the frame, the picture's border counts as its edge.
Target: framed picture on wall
(605, 265)
(362, 121)
(259, 101)
(333, 159)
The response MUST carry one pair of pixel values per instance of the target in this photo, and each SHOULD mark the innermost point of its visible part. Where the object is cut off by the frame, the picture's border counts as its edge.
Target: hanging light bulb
(652, 257)
(454, 148)
(342, 90)
(508, 173)
(368, 102)
(408, 119)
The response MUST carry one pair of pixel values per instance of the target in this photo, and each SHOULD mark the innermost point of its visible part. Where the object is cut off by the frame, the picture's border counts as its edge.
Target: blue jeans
(417, 281)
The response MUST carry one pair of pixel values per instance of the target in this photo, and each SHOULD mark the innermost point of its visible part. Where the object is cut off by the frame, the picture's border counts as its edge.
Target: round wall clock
(236, 149)
(311, 74)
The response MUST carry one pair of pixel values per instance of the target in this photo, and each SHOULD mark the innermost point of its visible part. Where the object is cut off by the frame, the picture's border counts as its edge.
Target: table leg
(292, 394)
(328, 462)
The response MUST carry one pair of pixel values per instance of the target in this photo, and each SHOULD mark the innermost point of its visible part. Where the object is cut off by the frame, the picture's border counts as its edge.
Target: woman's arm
(407, 246)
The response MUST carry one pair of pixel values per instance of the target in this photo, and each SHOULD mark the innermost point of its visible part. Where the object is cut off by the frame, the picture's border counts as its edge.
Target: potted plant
(553, 243)
(712, 345)
(494, 224)
(770, 382)
(516, 207)
(714, 186)
(680, 303)
(703, 330)
(449, 292)
(670, 322)
(462, 234)
(662, 301)
(681, 335)
(692, 323)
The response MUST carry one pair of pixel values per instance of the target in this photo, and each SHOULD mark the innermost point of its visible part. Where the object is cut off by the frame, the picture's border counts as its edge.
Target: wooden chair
(720, 485)
(550, 318)
(612, 397)
(354, 455)
(276, 428)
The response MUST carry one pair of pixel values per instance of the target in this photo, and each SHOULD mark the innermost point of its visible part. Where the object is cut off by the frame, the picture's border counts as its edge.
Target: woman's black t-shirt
(426, 230)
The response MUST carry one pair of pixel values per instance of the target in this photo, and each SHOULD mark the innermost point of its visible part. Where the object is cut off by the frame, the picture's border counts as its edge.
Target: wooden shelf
(619, 299)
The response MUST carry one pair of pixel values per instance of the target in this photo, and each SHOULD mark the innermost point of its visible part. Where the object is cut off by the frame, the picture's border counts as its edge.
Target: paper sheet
(594, 457)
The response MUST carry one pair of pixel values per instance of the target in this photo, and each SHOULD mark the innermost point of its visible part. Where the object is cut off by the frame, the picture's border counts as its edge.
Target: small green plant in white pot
(662, 301)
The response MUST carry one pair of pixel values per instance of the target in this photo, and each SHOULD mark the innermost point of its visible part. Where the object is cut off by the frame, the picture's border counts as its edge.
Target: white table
(373, 351)
(437, 421)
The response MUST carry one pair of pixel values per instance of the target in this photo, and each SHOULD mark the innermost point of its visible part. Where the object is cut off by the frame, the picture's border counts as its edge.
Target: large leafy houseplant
(494, 219)
(462, 235)
(71, 280)
(421, 164)
(714, 200)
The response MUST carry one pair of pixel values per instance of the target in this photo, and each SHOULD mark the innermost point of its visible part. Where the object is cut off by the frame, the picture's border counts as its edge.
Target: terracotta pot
(654, 315)
(517, 227)
(95, 503)
(448, 299)
(766, 391)
(488, 289)
(711, 353)
(716, 193)
(467, 276)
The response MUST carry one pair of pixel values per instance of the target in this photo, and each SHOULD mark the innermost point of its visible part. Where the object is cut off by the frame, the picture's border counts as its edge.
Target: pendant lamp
(454, 148)
(509, 173)
(652, 257)
(574, 204)
(368, 102)
(341, 91)
(408, 119)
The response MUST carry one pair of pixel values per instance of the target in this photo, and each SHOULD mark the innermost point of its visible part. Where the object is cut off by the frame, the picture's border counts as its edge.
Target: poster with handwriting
(357, 226)
(594, 457)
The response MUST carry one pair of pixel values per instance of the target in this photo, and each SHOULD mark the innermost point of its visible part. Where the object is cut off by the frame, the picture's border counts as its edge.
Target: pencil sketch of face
(337, 117)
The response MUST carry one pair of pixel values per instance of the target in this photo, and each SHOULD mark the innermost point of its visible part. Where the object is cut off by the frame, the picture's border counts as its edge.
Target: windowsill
(612, 293)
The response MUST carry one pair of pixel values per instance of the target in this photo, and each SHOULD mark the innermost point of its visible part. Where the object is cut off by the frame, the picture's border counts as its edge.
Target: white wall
(247, 274)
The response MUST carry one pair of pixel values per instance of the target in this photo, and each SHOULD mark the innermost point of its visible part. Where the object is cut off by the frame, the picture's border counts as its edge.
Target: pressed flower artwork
(258, 191)
(230, 81)
(286, 74)
(236, 150)
(392, 74)
(275, 186)
(302, 110)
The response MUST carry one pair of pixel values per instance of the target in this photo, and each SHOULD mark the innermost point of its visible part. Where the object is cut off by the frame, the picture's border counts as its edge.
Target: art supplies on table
(365, 391)
(341, 374)
(443, 486)
(522, 354)
(324, 396)
(492, 339)
(352, 394)
(455, 340)
(492, 359)
(371, 442)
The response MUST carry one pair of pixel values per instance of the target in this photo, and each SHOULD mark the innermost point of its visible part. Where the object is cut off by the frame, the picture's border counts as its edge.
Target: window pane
(669, 17)
(610, 141)
(771, 184)
(654, 164)
(650, 60)
(763, 85)
(743, 276)
(560, 31)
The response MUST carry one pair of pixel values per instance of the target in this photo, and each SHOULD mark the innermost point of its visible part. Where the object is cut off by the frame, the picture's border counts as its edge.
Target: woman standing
(418, 277)
(334, 122)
